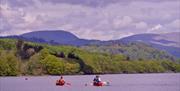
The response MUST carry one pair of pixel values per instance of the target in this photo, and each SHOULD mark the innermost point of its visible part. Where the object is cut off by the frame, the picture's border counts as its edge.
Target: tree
(60, 54)
(71, 68)
(44, 53)
(53, 65)
(34, 67)
(19, 44)
(8, 64)
(168, 65)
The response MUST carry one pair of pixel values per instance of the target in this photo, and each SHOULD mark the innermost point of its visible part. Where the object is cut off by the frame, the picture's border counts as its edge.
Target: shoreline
(89, 75)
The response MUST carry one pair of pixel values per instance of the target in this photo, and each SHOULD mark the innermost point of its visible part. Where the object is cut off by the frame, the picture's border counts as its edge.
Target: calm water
(121, 82)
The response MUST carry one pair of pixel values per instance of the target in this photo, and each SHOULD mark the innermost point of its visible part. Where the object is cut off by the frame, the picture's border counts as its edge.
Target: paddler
(61, 81)
(97, 81)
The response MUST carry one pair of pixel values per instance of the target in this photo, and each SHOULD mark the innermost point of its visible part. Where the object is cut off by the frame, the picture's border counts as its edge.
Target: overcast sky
(90, 19)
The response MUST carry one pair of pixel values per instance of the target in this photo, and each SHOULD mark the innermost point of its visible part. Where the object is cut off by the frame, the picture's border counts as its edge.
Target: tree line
(17, 59)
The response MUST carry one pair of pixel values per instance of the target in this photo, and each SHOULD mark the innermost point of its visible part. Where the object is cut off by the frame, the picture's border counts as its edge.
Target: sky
(90, 19)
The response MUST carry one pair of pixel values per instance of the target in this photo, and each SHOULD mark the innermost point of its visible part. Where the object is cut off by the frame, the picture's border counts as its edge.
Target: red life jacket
(60, 82)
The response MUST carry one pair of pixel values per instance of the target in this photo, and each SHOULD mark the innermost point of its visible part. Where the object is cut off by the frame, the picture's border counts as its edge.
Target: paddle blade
(68, 84)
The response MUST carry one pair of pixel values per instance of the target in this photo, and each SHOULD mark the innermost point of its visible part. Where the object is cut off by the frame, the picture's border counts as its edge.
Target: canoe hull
(101, 84)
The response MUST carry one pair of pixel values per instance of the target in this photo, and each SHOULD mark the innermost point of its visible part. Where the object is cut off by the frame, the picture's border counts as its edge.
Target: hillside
(132, 50)
(58, 37)
(169, 42)
(19, 57)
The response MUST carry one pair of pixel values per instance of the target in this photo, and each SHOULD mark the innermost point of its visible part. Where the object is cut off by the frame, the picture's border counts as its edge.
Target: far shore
(89, 74)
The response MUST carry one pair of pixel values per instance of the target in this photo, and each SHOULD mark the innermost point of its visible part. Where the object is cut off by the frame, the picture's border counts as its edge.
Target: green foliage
(71, 68)
(53, 65)
(118, 57)
(34, 66)
(171, 66)
(58, 60)
(4, 68)
(139, 67)
(8, 64)
(134, 51)
(7, 44)
(177, 68)
(43, 54)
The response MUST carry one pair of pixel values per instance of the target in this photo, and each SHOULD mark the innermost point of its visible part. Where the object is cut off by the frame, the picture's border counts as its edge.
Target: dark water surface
(118, 82)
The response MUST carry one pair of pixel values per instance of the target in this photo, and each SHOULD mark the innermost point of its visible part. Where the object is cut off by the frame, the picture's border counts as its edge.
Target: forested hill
(18, 57)
(168, 42)
(132, 50)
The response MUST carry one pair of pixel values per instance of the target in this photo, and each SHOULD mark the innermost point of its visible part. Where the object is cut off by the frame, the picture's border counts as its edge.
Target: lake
(118, 82)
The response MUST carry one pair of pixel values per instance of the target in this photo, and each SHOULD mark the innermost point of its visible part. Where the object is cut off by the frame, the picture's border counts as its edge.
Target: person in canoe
(97, 81)
(61, 81)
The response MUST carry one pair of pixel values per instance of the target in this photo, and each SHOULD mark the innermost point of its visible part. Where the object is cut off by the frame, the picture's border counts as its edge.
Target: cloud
(102, 3)
(141, 25)
(90, 19)
(155, 28)
(9, 18)
(122, 22)
(18, 3)
(174, 24)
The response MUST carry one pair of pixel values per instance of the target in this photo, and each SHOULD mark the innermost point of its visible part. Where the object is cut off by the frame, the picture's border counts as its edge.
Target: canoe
(101, 84)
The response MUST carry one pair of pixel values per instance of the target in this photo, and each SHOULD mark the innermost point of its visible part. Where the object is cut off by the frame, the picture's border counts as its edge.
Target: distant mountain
(169, 42)
(57, 37)
(54, 36)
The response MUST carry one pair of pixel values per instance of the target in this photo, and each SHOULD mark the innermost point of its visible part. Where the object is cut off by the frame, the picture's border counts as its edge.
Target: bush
(177, 67)
(53, 66)
(168, 65)
(8, 64)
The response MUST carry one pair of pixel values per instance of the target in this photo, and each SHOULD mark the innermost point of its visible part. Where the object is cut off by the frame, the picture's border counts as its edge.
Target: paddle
(68, 84)
(106, 83)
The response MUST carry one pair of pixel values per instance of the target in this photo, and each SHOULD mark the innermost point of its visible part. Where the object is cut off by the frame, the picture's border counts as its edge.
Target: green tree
(34, 66)
(52, 65)
(8, 64)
